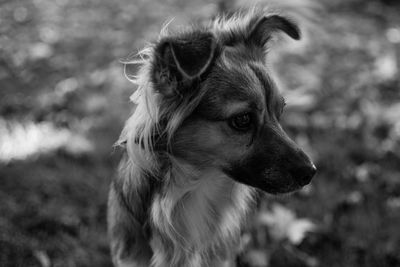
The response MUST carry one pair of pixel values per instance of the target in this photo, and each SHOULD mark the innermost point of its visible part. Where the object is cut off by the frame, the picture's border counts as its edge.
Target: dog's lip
(280, 183)
(290, 186)
(286, 190)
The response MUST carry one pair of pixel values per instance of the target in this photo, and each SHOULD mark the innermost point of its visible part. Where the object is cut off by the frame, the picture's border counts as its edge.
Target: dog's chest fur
(196, 217)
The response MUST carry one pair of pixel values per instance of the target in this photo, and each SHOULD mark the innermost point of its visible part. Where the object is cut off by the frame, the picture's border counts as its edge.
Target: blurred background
(64, 99)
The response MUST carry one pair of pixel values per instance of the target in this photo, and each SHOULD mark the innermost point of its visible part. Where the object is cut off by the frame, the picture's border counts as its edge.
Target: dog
(204, 138)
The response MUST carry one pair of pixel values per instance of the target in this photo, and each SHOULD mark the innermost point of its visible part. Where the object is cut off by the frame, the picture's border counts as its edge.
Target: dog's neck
(197, 213)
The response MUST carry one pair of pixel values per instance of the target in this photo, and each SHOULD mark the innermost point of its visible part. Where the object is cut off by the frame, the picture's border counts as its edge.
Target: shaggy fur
(205, 133)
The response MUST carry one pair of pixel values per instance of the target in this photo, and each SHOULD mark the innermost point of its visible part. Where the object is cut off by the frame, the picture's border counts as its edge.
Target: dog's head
(219, 107)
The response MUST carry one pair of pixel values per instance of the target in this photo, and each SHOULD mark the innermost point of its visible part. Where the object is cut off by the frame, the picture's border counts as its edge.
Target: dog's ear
(262, 30)
(180, 60)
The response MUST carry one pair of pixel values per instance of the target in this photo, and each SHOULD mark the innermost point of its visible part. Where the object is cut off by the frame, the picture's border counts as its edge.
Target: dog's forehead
(237, 80)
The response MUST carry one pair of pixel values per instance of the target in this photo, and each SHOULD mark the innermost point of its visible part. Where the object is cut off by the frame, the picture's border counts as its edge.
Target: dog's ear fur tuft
(182, 59)
(263, 29)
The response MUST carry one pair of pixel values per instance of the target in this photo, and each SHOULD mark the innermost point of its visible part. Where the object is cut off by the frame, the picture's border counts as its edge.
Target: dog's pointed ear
(182, 59)
(193, 56)
(262, 30)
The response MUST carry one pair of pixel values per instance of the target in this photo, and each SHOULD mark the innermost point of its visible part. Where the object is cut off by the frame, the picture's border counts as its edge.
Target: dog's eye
(241, 122)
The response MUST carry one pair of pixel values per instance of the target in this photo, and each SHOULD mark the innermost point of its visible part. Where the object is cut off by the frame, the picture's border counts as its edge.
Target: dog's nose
(304, 174)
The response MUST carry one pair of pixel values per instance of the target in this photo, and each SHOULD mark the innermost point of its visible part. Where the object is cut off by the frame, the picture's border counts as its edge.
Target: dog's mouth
(281, 187)
(278, 182)
(274, 181)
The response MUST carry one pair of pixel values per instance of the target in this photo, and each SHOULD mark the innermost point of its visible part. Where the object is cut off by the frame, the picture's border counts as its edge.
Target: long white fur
(185, 215)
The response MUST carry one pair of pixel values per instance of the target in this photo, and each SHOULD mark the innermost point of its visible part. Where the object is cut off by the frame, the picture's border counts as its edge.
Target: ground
(64, 98)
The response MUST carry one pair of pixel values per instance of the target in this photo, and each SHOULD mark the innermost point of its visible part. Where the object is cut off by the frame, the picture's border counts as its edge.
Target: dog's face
(235, 126)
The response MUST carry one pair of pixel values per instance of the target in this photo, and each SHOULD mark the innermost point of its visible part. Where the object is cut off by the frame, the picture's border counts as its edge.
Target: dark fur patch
(180, 61)
(275, 164)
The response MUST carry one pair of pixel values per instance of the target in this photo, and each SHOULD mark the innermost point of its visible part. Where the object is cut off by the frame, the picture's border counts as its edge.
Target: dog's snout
(303, 174)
